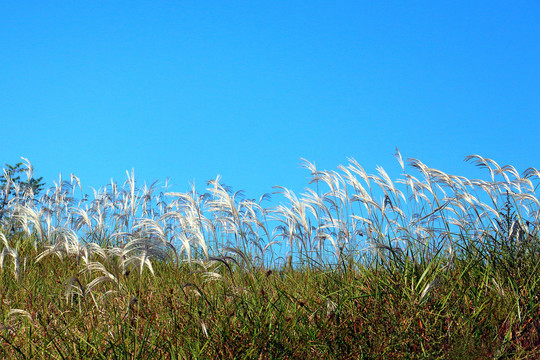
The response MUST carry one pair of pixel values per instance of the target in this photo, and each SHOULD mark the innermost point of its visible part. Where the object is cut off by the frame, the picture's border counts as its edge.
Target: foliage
(12, 186)
(446, 268)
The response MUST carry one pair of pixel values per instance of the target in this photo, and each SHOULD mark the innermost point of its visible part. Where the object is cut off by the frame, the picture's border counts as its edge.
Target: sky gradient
(188, 90)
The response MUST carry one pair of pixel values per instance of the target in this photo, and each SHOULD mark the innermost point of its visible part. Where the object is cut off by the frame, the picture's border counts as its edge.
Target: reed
(430, 265)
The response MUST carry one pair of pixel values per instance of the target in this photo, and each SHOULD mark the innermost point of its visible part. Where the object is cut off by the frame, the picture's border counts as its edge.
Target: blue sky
(244, 89)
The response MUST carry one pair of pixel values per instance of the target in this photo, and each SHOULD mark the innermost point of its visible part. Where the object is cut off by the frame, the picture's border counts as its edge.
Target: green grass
(475, 311)
(188, 276)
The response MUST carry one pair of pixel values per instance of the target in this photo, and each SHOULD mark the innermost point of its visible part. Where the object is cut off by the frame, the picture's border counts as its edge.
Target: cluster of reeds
(418, 253)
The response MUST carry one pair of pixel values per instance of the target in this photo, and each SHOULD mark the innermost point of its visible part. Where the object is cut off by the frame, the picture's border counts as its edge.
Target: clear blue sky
(192, 89)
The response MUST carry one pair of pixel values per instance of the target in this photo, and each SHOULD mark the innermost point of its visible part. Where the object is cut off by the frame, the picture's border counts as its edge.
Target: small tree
(12, 186)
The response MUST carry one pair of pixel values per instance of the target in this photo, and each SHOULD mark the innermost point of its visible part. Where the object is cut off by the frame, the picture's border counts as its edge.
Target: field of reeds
(359, 266)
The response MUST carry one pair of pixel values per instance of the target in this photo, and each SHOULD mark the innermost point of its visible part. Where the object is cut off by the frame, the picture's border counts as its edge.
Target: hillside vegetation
(430, 265)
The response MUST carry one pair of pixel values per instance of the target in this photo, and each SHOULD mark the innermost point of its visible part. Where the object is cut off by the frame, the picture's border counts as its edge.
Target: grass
(441, 268)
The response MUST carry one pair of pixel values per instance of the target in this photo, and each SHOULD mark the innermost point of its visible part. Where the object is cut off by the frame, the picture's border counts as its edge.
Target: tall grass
(429, 265)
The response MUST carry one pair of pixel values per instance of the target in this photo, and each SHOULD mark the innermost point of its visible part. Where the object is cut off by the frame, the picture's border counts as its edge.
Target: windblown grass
(427, 266)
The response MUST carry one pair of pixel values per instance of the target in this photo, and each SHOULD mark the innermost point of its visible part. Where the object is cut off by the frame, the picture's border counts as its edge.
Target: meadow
(359, 266)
